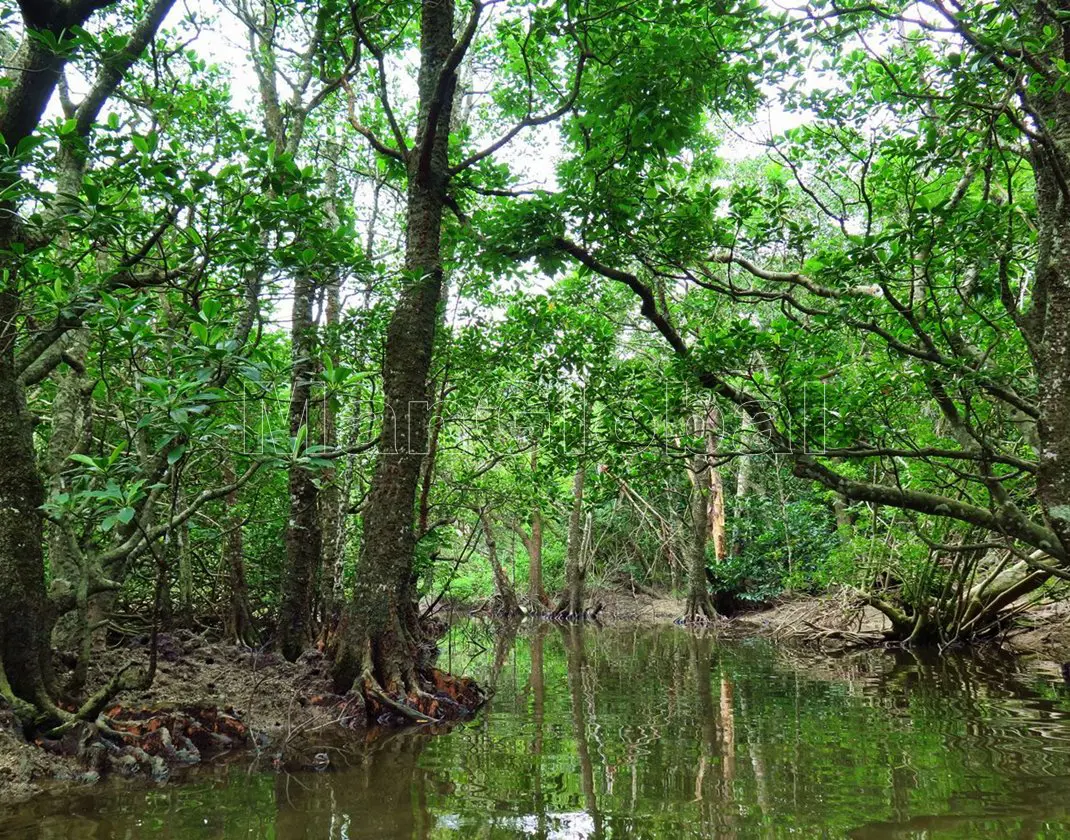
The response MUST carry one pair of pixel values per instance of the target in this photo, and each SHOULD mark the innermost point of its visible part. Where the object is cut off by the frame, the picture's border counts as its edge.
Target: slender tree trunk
(533, 544)
(744, 481)
(536, 590)
(331, 513)
(70, 417)
(428, 477)
(571, 603)
(699, 604)
(239, 618)
(185, 575)
(303, 536)
(715, 506)
(505, 600)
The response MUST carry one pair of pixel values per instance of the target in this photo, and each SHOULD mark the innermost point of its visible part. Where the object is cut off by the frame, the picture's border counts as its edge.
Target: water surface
(650, 733)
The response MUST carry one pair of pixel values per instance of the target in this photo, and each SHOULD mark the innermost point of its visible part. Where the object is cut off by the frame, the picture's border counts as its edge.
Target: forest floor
(1041, 632)
(636, 605)
(284, 713)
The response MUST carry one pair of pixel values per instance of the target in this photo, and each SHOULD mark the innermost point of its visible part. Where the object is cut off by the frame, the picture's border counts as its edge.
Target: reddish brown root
(181, 733)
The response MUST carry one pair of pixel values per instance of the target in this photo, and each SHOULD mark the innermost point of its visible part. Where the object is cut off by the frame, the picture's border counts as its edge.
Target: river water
(649, 733)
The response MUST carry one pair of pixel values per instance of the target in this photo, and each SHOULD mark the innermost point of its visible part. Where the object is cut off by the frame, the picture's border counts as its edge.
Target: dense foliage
(399, 302)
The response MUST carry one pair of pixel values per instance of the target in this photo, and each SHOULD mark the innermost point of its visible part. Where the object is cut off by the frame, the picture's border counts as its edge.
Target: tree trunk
(331, 513)
(70, 417)
(24, 624)
(24, 615)
(536, 589)
(303, 536)
(32, 76)
(185, 575)
(715, 505)
(379, 639)
(239, 619)
(533, 545)
(505, 600)
(1048, 321)
(571, 603)
(699, 604)
(744, 480)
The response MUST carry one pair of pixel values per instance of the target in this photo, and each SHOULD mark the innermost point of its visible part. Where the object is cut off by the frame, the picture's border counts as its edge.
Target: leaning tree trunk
(570, 604)
(505, 603)
(378, 648)
(303, 537)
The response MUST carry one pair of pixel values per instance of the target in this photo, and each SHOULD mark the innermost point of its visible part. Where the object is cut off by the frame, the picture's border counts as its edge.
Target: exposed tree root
(562, 613)
(396, 683)
(699, 619)
(436, 697)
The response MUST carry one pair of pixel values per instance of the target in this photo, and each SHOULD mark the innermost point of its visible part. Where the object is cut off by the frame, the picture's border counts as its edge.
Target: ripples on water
(651, 733)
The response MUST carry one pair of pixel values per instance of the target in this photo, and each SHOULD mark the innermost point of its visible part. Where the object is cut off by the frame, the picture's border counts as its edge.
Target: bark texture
(303, 535)
(699, 604)
(380, 637)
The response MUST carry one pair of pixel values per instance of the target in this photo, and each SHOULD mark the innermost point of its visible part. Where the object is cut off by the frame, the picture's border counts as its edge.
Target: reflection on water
(636, 733)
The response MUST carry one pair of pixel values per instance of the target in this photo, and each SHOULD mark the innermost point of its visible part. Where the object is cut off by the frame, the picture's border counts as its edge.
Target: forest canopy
(315, 316)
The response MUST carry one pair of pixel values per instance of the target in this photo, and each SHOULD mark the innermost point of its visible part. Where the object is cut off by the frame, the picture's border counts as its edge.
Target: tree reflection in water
(653, 733)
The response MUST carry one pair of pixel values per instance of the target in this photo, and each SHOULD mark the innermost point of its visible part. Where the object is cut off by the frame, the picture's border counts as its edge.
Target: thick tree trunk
(1048, 321)
(31, 77)
(24, 614)
(303, 536)
(379, 644)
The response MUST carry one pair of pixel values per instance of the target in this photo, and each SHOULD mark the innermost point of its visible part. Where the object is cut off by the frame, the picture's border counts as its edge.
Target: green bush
(774, 549)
